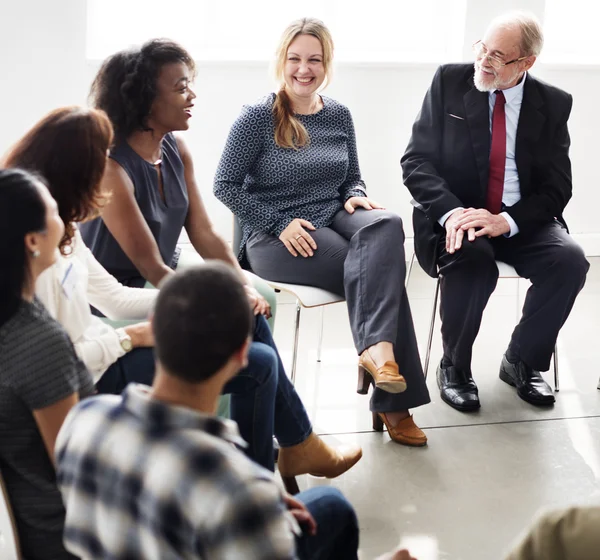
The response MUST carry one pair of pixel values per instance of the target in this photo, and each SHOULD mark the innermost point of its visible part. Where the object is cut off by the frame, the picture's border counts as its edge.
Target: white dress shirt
(75, 282)
(512, 189)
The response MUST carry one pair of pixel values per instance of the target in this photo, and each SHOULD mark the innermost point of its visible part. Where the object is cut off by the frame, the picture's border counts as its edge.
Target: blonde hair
(532, 36)
(289, 131)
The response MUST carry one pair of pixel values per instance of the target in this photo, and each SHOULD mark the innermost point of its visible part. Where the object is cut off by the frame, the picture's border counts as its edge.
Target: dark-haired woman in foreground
(147, 95)
(41, 378)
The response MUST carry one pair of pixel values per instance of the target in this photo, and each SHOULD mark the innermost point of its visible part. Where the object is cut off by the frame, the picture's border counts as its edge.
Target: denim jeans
(263, 400)
(337, 526)
(292, 425)
(136, 366)
(252, 403)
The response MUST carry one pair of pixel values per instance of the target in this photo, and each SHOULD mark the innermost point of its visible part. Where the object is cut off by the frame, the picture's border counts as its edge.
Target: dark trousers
(359, 256)
(548, 257)
(337, 526)
(263, 400)
(136, 366)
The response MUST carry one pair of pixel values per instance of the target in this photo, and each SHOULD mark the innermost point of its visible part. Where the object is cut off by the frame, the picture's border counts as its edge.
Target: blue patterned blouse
(266, 186)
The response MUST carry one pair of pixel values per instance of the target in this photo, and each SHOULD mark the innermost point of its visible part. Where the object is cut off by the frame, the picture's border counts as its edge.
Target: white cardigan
(75, 282)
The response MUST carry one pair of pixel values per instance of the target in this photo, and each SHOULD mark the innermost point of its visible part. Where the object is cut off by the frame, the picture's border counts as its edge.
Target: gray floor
(483, 477)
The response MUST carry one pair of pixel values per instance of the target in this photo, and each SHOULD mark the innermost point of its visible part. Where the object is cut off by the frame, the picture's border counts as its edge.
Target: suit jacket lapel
(477, 110)
(531, 123)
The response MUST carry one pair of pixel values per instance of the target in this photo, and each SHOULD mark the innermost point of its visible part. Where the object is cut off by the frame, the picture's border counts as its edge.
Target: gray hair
(532, 36)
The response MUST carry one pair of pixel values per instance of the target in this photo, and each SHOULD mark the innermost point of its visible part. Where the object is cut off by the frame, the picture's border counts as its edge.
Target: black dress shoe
(458, 389)
(530, 385)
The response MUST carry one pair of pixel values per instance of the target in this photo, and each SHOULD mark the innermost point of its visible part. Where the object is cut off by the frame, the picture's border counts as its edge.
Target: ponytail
(289, 131)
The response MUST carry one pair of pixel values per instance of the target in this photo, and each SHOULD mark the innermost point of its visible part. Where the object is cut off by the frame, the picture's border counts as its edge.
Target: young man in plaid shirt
(154, 474)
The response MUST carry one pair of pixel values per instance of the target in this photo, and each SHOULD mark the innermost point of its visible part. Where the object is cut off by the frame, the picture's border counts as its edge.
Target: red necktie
(497, 156)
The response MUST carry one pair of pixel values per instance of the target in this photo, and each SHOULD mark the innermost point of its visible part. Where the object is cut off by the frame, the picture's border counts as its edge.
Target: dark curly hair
(68, 148)
(125, 86)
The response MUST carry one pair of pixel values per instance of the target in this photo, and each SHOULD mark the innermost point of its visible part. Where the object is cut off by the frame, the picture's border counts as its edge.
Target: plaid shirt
(142, 479)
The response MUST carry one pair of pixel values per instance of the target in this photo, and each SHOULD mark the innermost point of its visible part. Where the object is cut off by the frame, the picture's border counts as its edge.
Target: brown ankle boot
(314, 456)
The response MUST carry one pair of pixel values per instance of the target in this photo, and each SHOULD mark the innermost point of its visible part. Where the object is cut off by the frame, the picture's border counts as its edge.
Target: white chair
(9, 543)
(308, 297)
(505, 271)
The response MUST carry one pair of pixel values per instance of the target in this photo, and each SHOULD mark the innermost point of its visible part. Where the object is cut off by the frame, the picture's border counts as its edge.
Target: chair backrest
(9, 543)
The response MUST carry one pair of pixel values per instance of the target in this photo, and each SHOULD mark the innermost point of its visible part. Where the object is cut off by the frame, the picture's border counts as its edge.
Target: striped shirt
(144, 479)
(38, 368)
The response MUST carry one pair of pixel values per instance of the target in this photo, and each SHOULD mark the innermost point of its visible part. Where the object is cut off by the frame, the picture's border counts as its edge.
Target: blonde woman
(290, 173)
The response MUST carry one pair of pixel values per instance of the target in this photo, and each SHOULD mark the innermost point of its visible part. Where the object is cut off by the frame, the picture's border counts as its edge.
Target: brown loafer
(405, 432)
(387, 377)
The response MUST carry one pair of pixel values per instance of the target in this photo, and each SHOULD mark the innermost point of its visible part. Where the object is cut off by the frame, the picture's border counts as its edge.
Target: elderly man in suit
(488, 168)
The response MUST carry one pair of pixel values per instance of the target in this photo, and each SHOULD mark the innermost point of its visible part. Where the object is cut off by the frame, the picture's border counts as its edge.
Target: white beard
(480, 83)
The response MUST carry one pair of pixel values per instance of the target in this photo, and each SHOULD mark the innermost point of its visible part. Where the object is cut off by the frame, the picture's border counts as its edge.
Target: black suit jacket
(446, 163)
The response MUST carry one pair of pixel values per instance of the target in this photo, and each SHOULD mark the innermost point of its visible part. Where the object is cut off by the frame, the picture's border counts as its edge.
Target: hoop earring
(35, 254)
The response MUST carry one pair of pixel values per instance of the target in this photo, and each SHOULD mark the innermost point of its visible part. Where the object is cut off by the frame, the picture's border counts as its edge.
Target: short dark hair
(68, 147)
(202, 317)
(125, 86)
(22, 211)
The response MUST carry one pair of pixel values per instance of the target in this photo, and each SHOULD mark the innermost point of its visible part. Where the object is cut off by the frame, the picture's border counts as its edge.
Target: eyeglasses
(494, 61)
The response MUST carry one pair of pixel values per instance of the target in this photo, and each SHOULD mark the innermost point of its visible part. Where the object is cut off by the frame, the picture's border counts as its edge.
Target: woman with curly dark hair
(146, 94)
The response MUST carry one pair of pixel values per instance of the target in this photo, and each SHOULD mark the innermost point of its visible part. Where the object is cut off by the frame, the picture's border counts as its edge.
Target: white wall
(42, 61)
(42, 57)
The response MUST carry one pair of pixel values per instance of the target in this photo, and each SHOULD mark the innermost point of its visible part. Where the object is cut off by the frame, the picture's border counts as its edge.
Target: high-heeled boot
(314, 456)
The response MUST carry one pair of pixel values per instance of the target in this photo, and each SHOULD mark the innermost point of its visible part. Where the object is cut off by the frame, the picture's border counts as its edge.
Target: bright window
(369, 31)
(570, 32)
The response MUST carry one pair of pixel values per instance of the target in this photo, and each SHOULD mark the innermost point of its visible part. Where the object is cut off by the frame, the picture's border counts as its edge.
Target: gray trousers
(359, 256)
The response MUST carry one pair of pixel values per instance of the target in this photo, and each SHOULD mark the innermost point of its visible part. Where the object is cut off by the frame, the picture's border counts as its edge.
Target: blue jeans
(136, 366)
(337, 526)
(263, 400)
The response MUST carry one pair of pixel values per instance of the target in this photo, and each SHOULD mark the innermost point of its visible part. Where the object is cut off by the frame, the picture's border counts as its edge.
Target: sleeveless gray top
(165, 219)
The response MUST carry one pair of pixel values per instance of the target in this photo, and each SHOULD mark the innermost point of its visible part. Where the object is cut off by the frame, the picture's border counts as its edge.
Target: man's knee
(569, 261)
(329, 502)
(478, 251)
(337, 524)
(477, 254)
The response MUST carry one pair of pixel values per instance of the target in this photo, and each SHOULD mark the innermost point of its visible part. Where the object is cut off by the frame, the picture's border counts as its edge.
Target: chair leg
(410, 266)
(518, 313)
(296, 333)
(431, 327)
(320, 344)
(556, 385)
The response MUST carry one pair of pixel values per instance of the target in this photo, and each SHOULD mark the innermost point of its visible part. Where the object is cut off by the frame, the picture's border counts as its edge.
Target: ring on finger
(298, 237)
